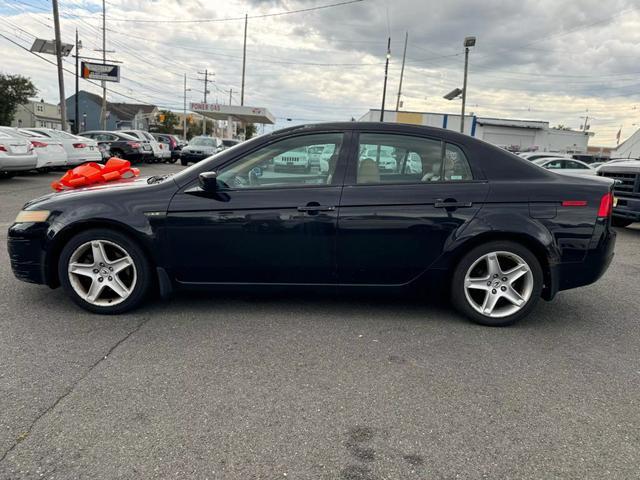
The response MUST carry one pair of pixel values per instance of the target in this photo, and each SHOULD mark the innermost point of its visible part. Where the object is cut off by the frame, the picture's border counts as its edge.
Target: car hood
(631, 166)
(110, 188)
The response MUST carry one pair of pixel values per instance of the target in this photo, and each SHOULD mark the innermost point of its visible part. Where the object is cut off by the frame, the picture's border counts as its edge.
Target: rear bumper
(25, 242)
(595, 264)
(18, 163)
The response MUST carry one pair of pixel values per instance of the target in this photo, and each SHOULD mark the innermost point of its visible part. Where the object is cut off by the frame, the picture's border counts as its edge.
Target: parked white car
(146, 138)
(293, 160)
(382, 156)
(16, 153)
(531, 156)
(50, 152)
(566, 166)
(79, 149)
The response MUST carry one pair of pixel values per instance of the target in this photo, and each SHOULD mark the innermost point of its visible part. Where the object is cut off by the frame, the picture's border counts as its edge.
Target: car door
(394, 224)
(260, 226)
(577, 168)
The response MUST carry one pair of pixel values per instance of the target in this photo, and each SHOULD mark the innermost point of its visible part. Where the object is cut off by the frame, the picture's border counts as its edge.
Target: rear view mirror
(208, 181)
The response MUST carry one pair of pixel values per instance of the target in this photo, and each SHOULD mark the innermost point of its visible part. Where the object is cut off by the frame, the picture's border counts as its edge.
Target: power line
(231, 19)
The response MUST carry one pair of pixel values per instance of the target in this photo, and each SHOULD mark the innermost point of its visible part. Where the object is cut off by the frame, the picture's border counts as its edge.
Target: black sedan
(120, 145)
(455, 214)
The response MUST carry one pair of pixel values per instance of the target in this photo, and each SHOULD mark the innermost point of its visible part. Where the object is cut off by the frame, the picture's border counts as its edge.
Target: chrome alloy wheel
(102, 273)
(498, 284)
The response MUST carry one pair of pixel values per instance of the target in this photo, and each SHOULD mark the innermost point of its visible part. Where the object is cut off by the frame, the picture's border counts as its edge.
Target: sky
(557, 61)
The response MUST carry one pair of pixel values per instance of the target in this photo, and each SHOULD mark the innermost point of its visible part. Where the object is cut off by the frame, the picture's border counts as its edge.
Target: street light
(468, 42)
(455, 93)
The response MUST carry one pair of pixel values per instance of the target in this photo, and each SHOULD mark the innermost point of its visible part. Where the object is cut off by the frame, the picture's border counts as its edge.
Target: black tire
(116, 153)
(4, 175)
(459, 299)
(620, 222)
(184, 162)
(140, 260)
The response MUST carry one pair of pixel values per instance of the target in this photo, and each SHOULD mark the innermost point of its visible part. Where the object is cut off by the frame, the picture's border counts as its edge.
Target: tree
(194, 126)
(249, 131)
(168, 121)
(14, 90)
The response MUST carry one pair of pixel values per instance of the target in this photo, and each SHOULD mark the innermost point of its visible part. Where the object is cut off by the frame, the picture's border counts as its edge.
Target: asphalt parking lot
(317, 387)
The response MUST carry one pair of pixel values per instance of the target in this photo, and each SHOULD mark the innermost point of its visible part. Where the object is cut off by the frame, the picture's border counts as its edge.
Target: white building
(630, 148)
(516, 135)
(37, 114)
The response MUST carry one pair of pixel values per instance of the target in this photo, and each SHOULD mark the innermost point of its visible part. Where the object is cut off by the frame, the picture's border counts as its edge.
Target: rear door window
(391, 158)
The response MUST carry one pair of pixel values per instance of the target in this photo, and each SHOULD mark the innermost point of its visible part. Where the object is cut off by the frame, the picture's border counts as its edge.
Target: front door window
(299, 161)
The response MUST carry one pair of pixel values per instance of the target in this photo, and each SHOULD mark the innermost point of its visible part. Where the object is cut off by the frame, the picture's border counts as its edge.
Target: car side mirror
(208, 181)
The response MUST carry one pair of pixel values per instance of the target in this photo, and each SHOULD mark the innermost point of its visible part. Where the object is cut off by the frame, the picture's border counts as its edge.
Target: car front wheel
(104, 271)
(497, 284)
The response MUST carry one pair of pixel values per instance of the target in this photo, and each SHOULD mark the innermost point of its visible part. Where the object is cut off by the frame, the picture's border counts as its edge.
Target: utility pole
(468, 42)
(184, 113)
(103, 111)
(404, 56)
(386, 74)
(230, 95)
(244, 58)
(206, 90)
(63, 100)
(76, 122)
(464, 87)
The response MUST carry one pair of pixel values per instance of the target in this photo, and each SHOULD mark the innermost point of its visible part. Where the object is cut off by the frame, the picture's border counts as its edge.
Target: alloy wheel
(102, 273)
(498, 284)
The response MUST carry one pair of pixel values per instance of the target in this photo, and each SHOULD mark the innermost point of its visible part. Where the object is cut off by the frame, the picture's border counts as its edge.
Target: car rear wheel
(620, 222)
(104, 271)
(497, 284)
(184, 162)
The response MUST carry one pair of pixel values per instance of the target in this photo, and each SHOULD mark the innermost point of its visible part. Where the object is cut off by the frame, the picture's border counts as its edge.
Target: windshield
(202, 142)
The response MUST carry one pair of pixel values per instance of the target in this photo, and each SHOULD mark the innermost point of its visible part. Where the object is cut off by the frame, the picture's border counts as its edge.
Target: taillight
(574, 203)
(133, 144)
(37, 144)
(3, 148)
(606, 205)
(79, 145)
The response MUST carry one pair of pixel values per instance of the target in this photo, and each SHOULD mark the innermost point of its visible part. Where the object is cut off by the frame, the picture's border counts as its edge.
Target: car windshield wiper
(158, 178)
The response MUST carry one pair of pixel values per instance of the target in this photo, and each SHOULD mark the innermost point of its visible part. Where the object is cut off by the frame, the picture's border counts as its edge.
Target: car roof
(115, 132)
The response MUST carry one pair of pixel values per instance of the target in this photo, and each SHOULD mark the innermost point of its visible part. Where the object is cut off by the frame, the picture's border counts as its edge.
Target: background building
(630, 148)
(37, 114)
(119, 115)
(514, 135)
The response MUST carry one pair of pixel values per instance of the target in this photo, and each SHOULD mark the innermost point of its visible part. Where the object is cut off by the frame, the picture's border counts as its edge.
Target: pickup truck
(626, 203)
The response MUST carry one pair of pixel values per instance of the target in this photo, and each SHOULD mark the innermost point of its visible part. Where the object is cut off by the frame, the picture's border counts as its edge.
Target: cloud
(539, 59)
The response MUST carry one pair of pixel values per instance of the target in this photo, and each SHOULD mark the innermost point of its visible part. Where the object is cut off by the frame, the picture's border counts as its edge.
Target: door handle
(451, 203)
(316, 208)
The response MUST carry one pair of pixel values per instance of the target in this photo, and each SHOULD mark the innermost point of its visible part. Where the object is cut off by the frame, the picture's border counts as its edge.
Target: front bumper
(627, 207)
(26, 245)
(193, 157)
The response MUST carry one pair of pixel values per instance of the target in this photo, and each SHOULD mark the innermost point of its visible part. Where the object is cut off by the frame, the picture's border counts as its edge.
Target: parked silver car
(16, 154)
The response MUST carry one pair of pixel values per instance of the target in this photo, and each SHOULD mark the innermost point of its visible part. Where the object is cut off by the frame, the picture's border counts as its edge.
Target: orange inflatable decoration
(92, 173)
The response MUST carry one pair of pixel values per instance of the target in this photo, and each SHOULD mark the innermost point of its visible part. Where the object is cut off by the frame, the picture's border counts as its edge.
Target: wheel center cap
(496, 284)
(104, 271)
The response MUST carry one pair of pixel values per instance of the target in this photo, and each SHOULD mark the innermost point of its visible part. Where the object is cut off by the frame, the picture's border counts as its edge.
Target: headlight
(35, 216)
